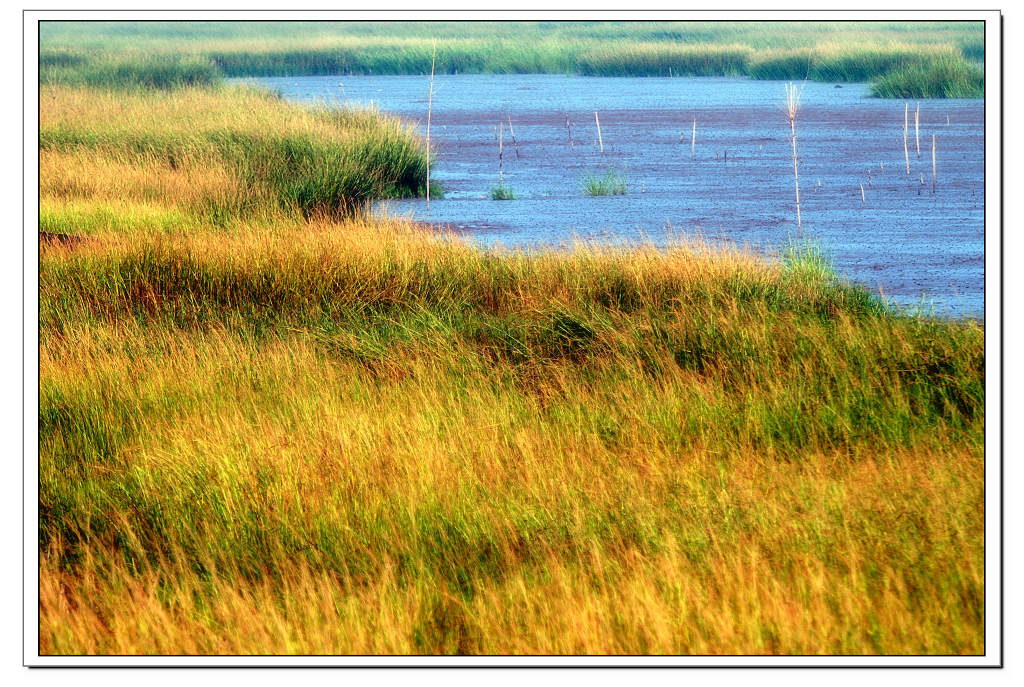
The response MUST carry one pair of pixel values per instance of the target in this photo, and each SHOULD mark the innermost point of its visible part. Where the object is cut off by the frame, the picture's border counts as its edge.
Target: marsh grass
(109, 55)
(943, 78)
(609, 184)
(346, 438)
(222, 152)
(266, 428)
(158, 71)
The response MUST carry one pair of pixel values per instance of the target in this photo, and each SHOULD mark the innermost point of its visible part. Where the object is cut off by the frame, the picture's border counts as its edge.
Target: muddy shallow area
(738, 187)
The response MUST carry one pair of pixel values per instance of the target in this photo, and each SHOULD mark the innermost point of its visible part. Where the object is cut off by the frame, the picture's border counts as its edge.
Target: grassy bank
(354, 438)
(950, 78)
(841, 51)
(198, 156)
(271, 425)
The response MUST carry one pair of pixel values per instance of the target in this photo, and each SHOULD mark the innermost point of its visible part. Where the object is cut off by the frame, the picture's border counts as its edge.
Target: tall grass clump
(226, 151)
(609, 184)
(503, 192)
(856, 62)
(950, 77)
(805, 262)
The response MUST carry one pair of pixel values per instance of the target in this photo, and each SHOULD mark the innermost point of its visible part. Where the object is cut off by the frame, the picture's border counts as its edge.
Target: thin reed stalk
(906, 155)
(512, 131)
(430, 102)
(917, 133)
(599, 140)
(693, 138)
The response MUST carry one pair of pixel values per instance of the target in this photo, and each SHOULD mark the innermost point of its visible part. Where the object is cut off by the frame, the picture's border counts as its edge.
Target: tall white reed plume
(792, 106)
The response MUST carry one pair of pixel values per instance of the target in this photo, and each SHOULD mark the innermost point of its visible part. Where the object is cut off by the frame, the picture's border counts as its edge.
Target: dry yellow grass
(122, 117)
(262, 432)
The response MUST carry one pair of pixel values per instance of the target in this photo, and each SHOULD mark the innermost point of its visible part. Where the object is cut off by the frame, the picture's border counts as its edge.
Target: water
(901, 238)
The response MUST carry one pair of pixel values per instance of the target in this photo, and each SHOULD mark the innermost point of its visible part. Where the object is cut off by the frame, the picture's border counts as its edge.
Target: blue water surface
(896, 236)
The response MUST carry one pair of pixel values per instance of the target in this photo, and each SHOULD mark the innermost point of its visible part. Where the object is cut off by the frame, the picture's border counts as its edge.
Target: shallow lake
(738, 187)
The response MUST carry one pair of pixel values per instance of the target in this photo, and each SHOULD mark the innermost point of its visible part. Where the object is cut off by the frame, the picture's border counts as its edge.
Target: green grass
(161, 71)
(265, 437)
(165, 36)
(807, 262)
(502, 192)
(662, 59)
(271, 425)
(949, 78)
(608, 184)
(316, 162)
(197, 52)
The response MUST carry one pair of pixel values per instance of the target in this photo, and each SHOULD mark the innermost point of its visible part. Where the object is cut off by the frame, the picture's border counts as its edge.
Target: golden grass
(70, 176)
(268, 433)
(91, 111)
(468, 504)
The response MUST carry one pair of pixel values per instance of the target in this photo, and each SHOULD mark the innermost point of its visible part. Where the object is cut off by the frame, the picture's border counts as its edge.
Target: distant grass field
(270, 424)
(104, 52)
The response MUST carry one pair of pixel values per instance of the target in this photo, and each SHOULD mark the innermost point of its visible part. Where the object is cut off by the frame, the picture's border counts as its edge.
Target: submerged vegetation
(193, 52)
(271, 424)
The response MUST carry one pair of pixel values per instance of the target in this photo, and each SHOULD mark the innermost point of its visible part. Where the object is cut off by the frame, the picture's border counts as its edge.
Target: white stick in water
(917, 133)
(906, 110)
(693, 137)
(430, 102)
